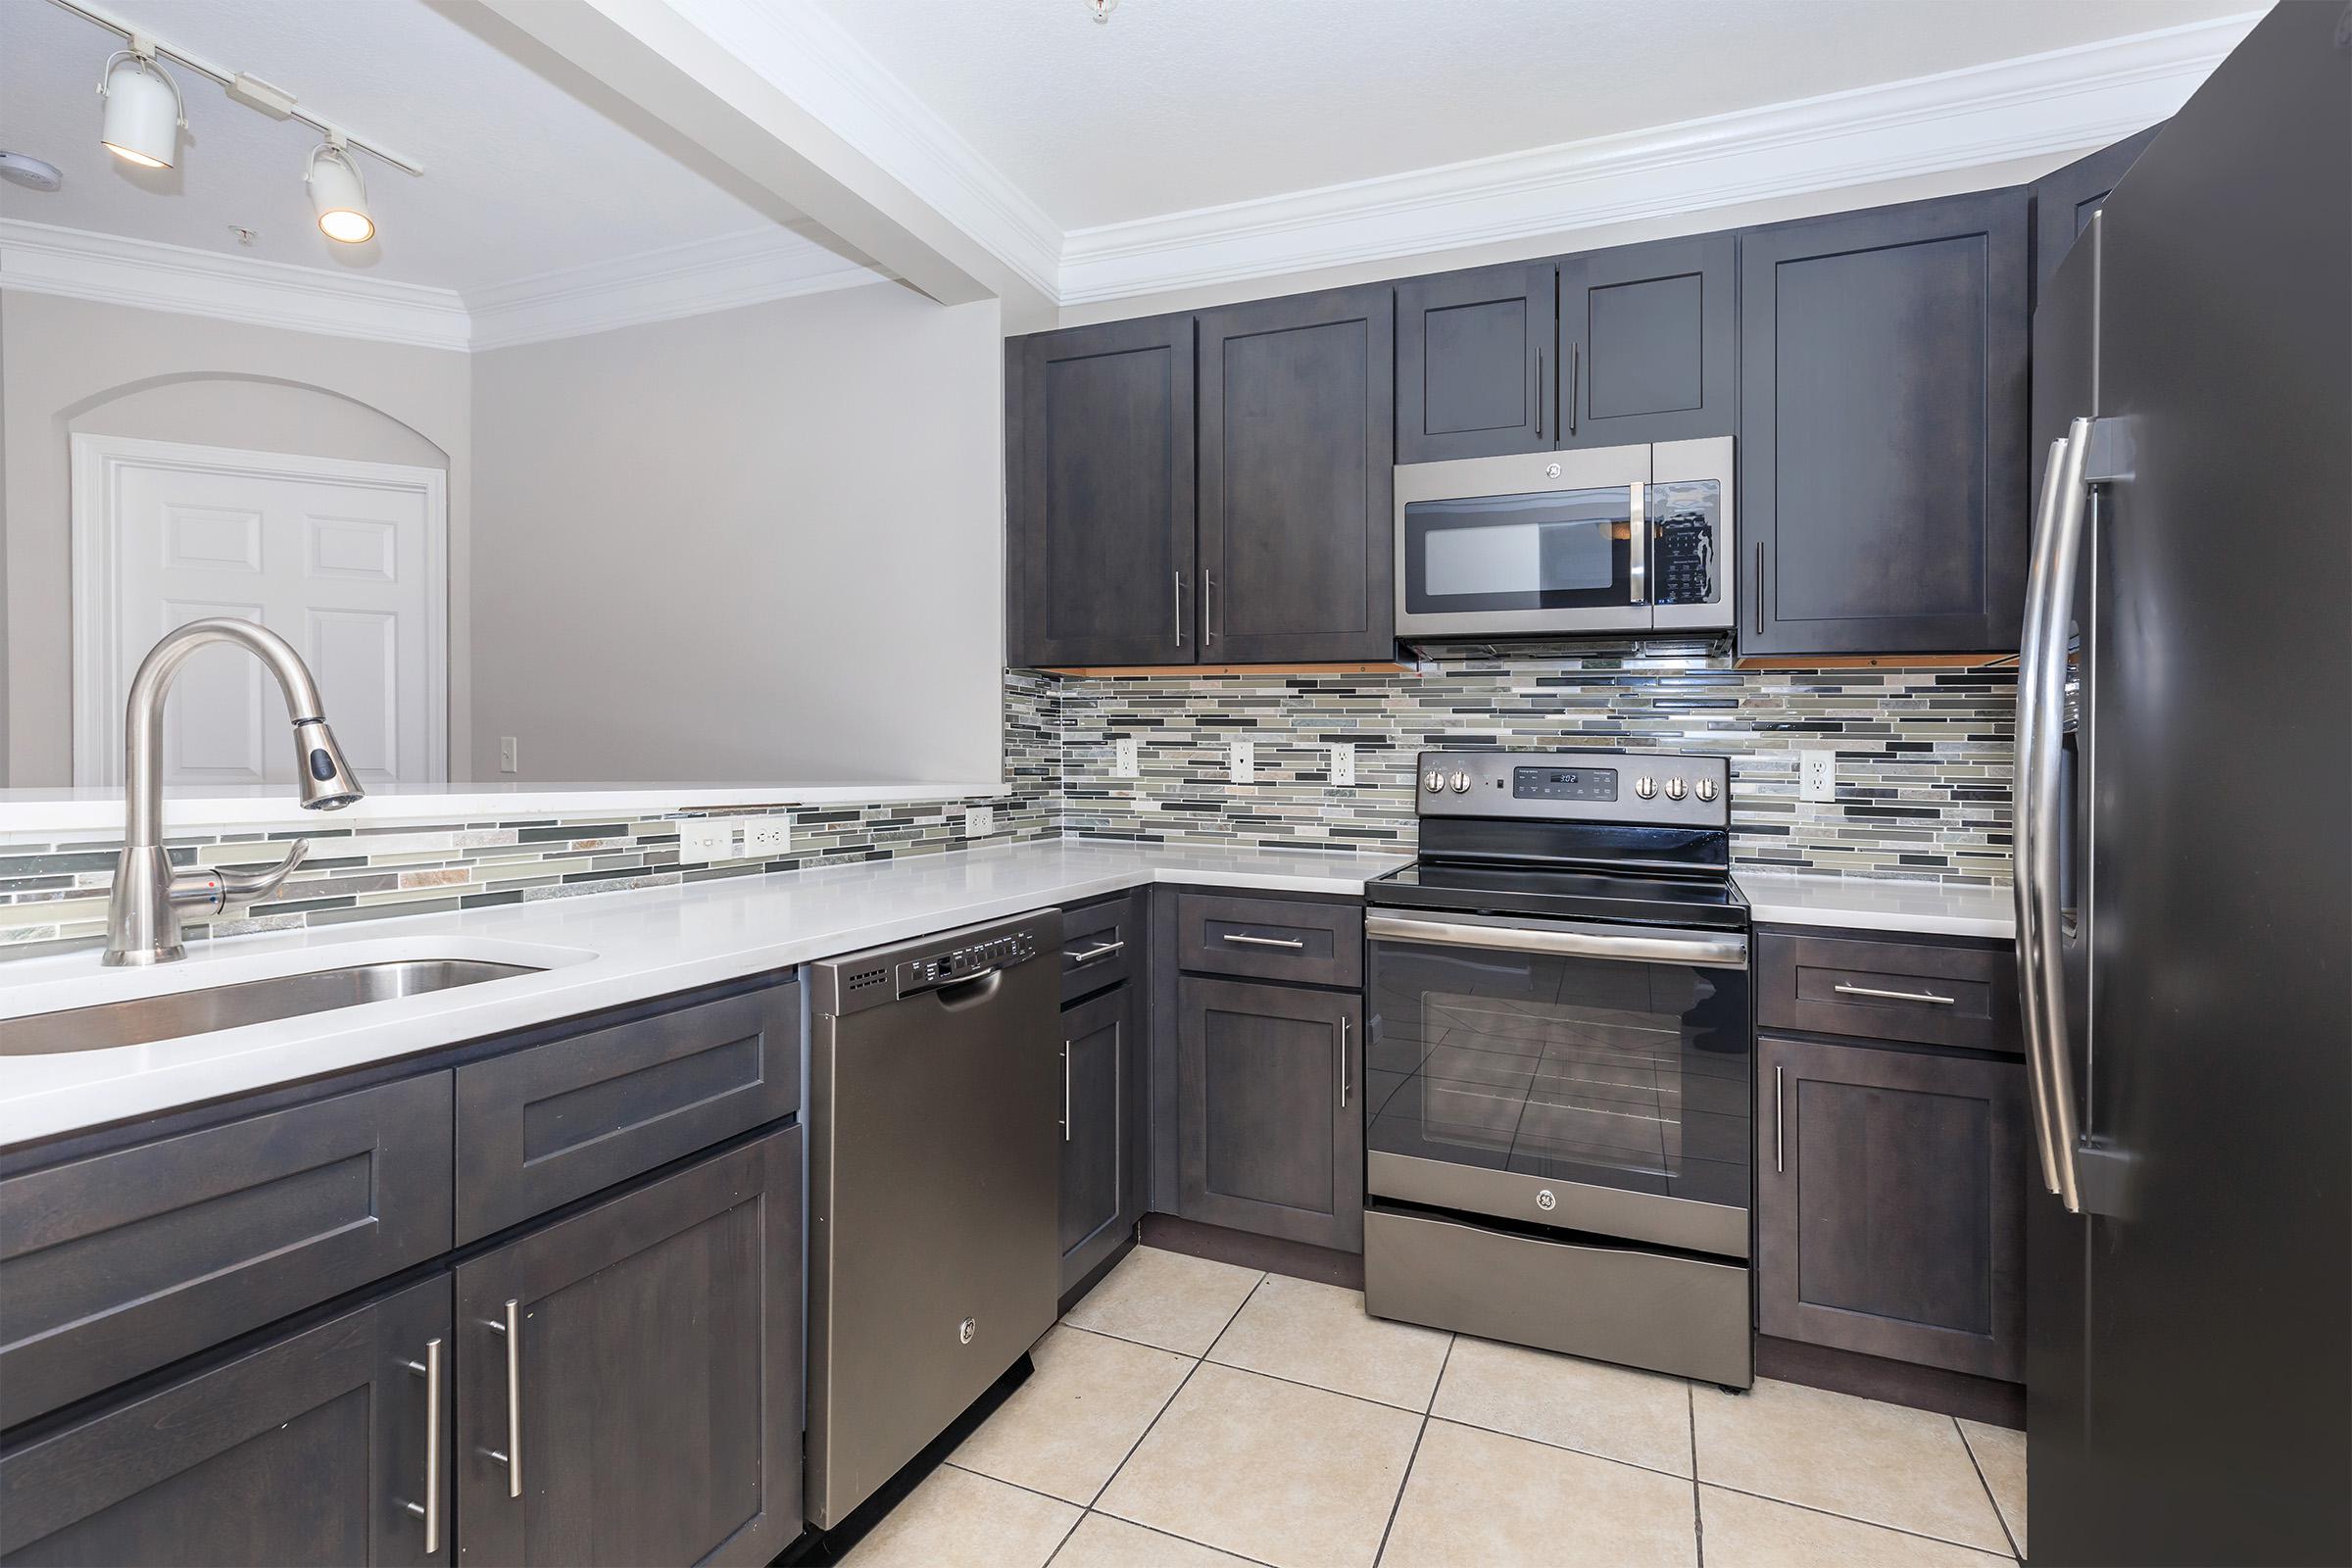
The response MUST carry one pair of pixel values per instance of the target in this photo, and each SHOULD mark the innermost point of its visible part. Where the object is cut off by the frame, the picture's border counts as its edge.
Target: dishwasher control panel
(949, 965)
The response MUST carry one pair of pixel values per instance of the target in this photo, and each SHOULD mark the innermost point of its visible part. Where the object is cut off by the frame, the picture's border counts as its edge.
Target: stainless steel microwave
(1607, 539)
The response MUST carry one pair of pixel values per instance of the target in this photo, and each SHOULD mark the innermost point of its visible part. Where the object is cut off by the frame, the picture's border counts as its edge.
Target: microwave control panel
(1684, 561)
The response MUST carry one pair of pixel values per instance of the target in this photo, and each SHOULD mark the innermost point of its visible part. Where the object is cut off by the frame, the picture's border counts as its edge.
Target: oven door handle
(1725, 949)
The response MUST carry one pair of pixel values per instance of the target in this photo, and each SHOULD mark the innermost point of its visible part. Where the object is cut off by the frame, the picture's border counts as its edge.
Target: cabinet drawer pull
(430, 1510)
(1289, 944)
(1065, 1090)
(1928, 996)
(512, 1328)
(1179, 605)
(1779, 1149)
(1343, 1062)
(1102, 950)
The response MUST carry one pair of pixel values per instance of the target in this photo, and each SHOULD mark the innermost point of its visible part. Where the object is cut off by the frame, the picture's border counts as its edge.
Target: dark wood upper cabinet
(1891, 1203)
(1101, 530)
(1883, 445)
(1649, 340)
(2064, 198)
(1476, 363)
(1297, 478)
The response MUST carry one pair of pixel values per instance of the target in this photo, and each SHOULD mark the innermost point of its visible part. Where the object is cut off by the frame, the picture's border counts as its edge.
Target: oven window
(1555, 551)
(1633, 1076)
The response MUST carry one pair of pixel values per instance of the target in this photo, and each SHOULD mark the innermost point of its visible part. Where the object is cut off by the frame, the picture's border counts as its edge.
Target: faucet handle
(218, 890)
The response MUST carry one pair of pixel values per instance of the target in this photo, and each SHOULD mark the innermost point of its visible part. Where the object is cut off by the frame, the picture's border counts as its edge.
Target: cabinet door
(1891, 1203)
(1104, 525)
(1882, 430)
(1297, 478)
(1477, 368)
(1102, 1147)
(644, 1405)
(2064, 198)
(1651, 338)
(1272, 1128)
(310, 1450)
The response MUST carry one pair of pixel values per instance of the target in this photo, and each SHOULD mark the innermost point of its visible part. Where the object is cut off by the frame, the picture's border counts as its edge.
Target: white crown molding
(679, 280)
(40, 259)
(2036, 105)
(811, 59)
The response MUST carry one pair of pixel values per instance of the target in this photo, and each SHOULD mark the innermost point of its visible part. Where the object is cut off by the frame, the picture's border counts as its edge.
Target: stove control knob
(1704, 789)
(1645, 786)
(1676, 789)
(1462, 783)
(1434, 780)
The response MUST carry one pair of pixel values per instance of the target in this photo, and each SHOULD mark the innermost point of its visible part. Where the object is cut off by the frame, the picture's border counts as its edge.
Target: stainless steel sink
(143, 1019)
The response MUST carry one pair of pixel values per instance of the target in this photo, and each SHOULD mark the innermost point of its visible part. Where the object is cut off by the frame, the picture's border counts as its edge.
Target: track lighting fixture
(338, 195)
(144, 114)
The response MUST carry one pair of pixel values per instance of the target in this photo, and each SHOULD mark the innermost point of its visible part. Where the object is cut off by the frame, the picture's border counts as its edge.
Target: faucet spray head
(326, 781)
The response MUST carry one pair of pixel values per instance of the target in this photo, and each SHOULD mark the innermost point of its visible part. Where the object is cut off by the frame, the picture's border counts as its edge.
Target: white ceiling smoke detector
(33, 174)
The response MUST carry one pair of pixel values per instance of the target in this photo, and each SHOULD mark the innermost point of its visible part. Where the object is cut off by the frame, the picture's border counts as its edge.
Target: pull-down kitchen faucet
(142, 918)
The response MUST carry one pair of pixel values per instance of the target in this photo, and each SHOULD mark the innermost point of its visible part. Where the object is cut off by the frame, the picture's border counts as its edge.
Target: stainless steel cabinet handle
(1759, 589)
(1576, 384)
(512, 1328)
(430, 1510)
(1778, 1146)
(1293, 944)
(1538, 394)
(1208, 608)
(1178, 576)
(1105, 951)
(1930, 997)
(1065, 1090)
(1343, 1062)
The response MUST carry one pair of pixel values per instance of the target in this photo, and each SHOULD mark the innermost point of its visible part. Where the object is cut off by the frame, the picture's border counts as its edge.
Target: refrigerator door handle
(2037, 582)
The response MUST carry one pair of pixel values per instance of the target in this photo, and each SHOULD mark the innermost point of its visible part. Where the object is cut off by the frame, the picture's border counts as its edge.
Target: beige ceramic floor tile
(2001, 1454)
(1288, 1475)
(1641, 1417)
(969, 1520)
(1321, 1334)
(1102, 1541)
(1165, 1298)
(1481, 1499)
(1744, 1532)
(1883, 1463)
(1066, 1428)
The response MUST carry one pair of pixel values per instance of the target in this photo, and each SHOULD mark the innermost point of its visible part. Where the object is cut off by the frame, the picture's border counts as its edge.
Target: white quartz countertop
(599, 952)
(1877, 903)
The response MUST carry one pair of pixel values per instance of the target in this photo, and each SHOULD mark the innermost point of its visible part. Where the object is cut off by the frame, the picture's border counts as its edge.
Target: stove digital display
(1564, 783)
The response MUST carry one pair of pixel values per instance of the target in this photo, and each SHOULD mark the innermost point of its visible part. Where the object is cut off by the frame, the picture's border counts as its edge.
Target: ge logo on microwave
(1546, 1201)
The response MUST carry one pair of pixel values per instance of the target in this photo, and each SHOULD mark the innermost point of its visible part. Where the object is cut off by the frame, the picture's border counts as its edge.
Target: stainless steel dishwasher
(933, 1182)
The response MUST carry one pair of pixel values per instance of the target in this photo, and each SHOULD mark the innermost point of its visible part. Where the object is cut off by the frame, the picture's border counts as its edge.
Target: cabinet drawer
(115, 1264)
(1924, 992)
(1270, 939)
(555, 1122)
(1101, 945)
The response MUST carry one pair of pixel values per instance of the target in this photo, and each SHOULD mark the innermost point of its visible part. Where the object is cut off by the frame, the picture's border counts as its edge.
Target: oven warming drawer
(1678, 1222)
(1639, 1308)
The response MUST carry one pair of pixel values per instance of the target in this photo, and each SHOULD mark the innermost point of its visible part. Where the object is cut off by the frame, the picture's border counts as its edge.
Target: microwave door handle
(1636, 543)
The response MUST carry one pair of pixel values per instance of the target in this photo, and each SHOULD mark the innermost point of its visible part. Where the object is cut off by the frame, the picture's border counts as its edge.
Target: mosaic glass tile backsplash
(1923, 774)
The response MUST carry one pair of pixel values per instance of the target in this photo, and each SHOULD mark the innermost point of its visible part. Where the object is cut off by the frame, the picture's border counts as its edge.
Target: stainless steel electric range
(1559, 1101)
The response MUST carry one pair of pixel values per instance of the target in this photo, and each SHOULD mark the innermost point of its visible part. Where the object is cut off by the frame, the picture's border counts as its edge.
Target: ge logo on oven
(1546, 1201)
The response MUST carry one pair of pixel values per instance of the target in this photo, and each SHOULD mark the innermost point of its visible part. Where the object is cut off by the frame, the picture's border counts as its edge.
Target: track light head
(338, 195)
(144, 114)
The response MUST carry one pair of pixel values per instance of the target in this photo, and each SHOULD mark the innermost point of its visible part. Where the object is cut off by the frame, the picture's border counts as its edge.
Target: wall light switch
(1124, 764)
(1242, 762)
(506, 754)
(1817, 776)
(1343, 767)
(979, 821)
(767, 837)
(703, 839)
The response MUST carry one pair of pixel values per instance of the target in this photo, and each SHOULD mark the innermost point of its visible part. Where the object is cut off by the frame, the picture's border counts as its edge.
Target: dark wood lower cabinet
(1271, 1128)
(308, 1450)
(1102, 1170)
(646, 1399)
(1891, 1203)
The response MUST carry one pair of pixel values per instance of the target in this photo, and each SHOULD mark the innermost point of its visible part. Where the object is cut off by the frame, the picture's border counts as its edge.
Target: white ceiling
(523, 176)
(1177, 105)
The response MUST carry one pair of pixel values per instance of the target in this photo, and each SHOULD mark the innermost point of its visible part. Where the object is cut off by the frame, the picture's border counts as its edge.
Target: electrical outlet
(1817, 776)
(1124, 764)
(507, 762)
(979, 821)
(1343, 767)
(703, 839)
(765, 837)
(1241, 763)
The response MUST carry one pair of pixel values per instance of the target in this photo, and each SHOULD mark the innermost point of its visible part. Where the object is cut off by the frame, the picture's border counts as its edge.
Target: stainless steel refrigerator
(2184, 836)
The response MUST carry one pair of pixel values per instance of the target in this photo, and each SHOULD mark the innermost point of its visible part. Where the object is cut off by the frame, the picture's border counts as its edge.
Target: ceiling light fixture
(338, 195)
(144, 114)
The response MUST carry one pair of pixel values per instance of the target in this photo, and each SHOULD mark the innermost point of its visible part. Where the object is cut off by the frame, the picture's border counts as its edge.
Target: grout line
(2007, 1533)
(1170, 1535)
(1875, 1524)
(1698, 1517)
(1430, 1406)
(1406, 1480)
(1017, 1486)
(1128, 1458)
(1230, 1320)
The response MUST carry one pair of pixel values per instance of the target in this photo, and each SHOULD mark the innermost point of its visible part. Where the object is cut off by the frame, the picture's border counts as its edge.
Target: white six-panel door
(344, 559)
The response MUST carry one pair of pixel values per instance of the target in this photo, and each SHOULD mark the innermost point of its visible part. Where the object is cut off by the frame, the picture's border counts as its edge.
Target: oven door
(1524, 545)
(1586, 1077)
